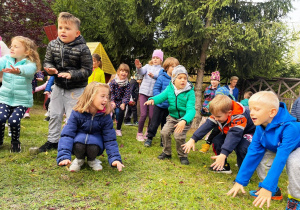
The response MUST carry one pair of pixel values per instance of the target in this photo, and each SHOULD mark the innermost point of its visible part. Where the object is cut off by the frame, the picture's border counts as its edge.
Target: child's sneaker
(95, 165)
(127, 123)
(47, 118)
(225, 169)
(118, 133)
(163, 156)
(275, 196)
(205, 148)
(15, 148)
(136, 123)
(140, 137)
(293, 204)
(26, 115)
(76, 165)
(184, 161)
(48, 146)
(148, 143)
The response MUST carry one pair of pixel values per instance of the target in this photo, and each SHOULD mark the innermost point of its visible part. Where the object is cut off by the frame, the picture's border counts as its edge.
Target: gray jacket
(147, 85)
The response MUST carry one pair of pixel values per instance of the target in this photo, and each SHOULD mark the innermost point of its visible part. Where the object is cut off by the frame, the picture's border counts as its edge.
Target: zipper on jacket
(86, 138)
(177, 108)
(61, 55)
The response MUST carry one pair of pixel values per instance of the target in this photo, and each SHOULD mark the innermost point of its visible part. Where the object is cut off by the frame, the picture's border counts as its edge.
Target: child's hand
(180, 126)
(46, 93)
(205, 109)
(64, 162)
(137, 63)
(151, 75)
(118, 164)
(150, 102)
(12, 70)
(122, 106)
(51, 71)
(64, 75)
(188, 146)
(235, 189)
(263, 196)
(113, 105)
(39, 79)
(219, 163)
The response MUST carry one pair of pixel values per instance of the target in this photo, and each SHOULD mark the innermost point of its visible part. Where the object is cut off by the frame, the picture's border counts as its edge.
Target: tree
(25, 18)
(235, 37)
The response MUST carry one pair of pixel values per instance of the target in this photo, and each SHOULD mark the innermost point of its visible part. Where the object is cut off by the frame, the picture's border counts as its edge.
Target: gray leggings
(292, 169)
(86, 150)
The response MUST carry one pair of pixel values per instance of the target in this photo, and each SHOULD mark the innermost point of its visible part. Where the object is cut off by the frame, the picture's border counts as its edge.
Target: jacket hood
(237, 108)
(78, 40)
(164, 74)
(281, 117)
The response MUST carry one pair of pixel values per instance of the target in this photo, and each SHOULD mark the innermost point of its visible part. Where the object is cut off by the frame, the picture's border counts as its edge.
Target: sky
(294, 16)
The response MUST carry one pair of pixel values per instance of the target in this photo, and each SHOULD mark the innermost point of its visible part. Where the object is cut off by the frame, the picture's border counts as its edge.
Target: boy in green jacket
(181, 97)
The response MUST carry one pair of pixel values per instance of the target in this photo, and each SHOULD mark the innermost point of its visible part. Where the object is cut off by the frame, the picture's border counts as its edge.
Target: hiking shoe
(76, 165)
(163, 156)
(205, 148)
(118, 133)
(15, 148)
(48, 146)
(184, 161)
(225, 169)
(275, 196)
(95, 165)
(47, 118)
(148, 143)
(293, 204)
(127, 123)
(140, 137)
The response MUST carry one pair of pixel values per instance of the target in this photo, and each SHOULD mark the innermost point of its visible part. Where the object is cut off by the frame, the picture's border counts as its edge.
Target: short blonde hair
(68, 17)
(234, 78)
(248, 94)
(87, 97)
(170, 61)
(220, 103)
(266, 97)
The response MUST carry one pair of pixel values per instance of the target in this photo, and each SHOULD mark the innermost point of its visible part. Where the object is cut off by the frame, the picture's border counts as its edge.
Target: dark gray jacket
(74, 58)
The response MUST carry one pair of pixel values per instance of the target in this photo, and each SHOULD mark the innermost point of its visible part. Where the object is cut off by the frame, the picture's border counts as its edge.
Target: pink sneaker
(140, 137)
(118, 133)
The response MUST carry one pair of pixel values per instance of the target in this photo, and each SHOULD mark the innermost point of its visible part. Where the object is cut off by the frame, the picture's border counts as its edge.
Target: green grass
(36, 182)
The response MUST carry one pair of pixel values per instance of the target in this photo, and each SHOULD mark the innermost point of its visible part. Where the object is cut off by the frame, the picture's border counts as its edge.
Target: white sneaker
(118, 133)
(76, 165)
(95, 165)
(26, 115)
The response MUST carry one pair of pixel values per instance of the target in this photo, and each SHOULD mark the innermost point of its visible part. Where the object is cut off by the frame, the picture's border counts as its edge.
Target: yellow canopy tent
(107, 67)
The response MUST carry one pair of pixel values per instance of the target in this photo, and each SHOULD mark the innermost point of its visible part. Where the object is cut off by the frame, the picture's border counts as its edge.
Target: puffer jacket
(88, 129)
(74, 58)
(148, 82)
(181, 106)
(160, 85)
(16, 89)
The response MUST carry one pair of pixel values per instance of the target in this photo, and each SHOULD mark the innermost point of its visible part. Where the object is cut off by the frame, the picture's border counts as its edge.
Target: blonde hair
(68, 17)
(234, 78)
(248, 94)
(220, 103)
(87, 97)
(170, 61)
(30, 49)
(123, 66)
(266, 97)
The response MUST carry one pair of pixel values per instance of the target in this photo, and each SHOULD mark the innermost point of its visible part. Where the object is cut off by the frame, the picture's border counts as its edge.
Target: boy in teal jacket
(181, 98)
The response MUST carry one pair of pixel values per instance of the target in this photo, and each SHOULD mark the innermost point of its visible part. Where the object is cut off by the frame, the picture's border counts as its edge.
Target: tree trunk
(199, 81)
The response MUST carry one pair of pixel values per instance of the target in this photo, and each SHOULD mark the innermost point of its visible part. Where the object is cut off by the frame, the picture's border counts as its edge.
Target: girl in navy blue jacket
(90, 131)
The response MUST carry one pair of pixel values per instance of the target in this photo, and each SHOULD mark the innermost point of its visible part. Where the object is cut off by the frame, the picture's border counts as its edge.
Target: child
(232, 87)
(236, 129)
(68, 59)
(160, 111)
(150, 72)
(120, 94)
(47, 93)
(295, 112)
(247, 95)
(275, 143)
(4, 50)
(16, 91)
(181, 97)
(98, 73)
(132, 105)
(208, 95)
(90, 131)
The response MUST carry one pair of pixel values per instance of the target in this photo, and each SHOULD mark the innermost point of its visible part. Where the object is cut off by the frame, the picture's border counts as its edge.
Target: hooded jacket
(74, 58)
(238, 124)
(181, 106)
(16, 89)
(281, 136)
(160, 85)
(88, 129)
(148, 82)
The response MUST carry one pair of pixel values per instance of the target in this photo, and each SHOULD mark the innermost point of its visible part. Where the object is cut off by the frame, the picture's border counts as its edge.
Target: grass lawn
(36, 182)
